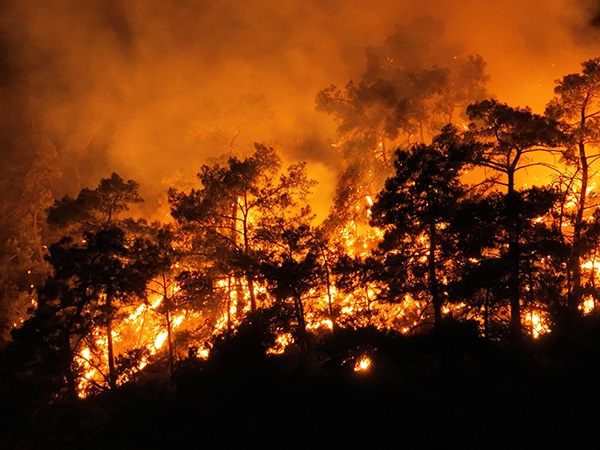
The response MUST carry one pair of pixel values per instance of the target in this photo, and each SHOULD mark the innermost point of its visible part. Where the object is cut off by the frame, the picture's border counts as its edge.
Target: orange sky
(153, 88)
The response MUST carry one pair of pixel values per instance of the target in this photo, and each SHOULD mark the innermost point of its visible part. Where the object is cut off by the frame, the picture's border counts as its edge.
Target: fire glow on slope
(138, 338)
(143, 329)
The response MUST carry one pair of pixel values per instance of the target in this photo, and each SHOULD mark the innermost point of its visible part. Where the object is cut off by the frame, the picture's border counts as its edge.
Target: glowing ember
(588, 305)
(591, 265)
(282, 341)
(362, 364)
(537, 323)
(320, 324)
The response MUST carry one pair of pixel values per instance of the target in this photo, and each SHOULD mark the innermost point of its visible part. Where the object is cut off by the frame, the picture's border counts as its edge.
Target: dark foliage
(448, 387)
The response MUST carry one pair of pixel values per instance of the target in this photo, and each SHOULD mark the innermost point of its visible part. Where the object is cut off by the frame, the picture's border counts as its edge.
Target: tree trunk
(299, 308)
(514, 290)
(240, 304)
(433, 281)
(514, 283)
(249, 276)
(575, 260)
(170, 349)
(250, 281)
(486, 314)
(229, 293)
(170, 345)
(328, 282)
(69, 375)
(112, 372)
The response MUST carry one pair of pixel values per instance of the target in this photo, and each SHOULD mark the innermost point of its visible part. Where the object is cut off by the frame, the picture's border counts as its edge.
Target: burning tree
(248, 216)
(577, 105)
(182, 287)
(415, 209)
(88, 284)
(406, 95)
(506, 139)
(94, 268)
(488, 269)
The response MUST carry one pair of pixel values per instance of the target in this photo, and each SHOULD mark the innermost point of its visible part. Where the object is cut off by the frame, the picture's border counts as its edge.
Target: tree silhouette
(483, 229)
(81, 294)
(245, 210)
(182, 281)
(296, 269)
(94, 209)
(577, 104)
(96, 266)
(415, 208)
(506, 139)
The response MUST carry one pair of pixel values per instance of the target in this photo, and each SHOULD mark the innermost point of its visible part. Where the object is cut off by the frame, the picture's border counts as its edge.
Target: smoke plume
(151, 89)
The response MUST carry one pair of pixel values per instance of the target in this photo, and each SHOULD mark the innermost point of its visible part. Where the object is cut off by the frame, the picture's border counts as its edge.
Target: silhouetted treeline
(463, 261)
(441, 388)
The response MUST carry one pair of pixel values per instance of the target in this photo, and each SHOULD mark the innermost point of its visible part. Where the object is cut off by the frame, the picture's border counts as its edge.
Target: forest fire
(390, 223)
(137, 338)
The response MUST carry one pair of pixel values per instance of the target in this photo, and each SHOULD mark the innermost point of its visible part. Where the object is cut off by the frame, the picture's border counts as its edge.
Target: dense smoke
(151, 89)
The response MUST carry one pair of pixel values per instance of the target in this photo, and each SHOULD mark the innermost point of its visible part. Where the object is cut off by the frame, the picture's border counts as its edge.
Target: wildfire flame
(362, 364)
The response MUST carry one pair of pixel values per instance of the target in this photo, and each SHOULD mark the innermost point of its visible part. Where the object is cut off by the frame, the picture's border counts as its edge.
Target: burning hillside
(203, 189)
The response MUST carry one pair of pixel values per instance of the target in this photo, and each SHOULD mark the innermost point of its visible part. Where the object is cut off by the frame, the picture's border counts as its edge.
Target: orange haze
(151, 89)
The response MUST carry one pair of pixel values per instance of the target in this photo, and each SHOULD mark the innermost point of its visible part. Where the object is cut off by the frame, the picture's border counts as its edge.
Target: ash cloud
(154, 88)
